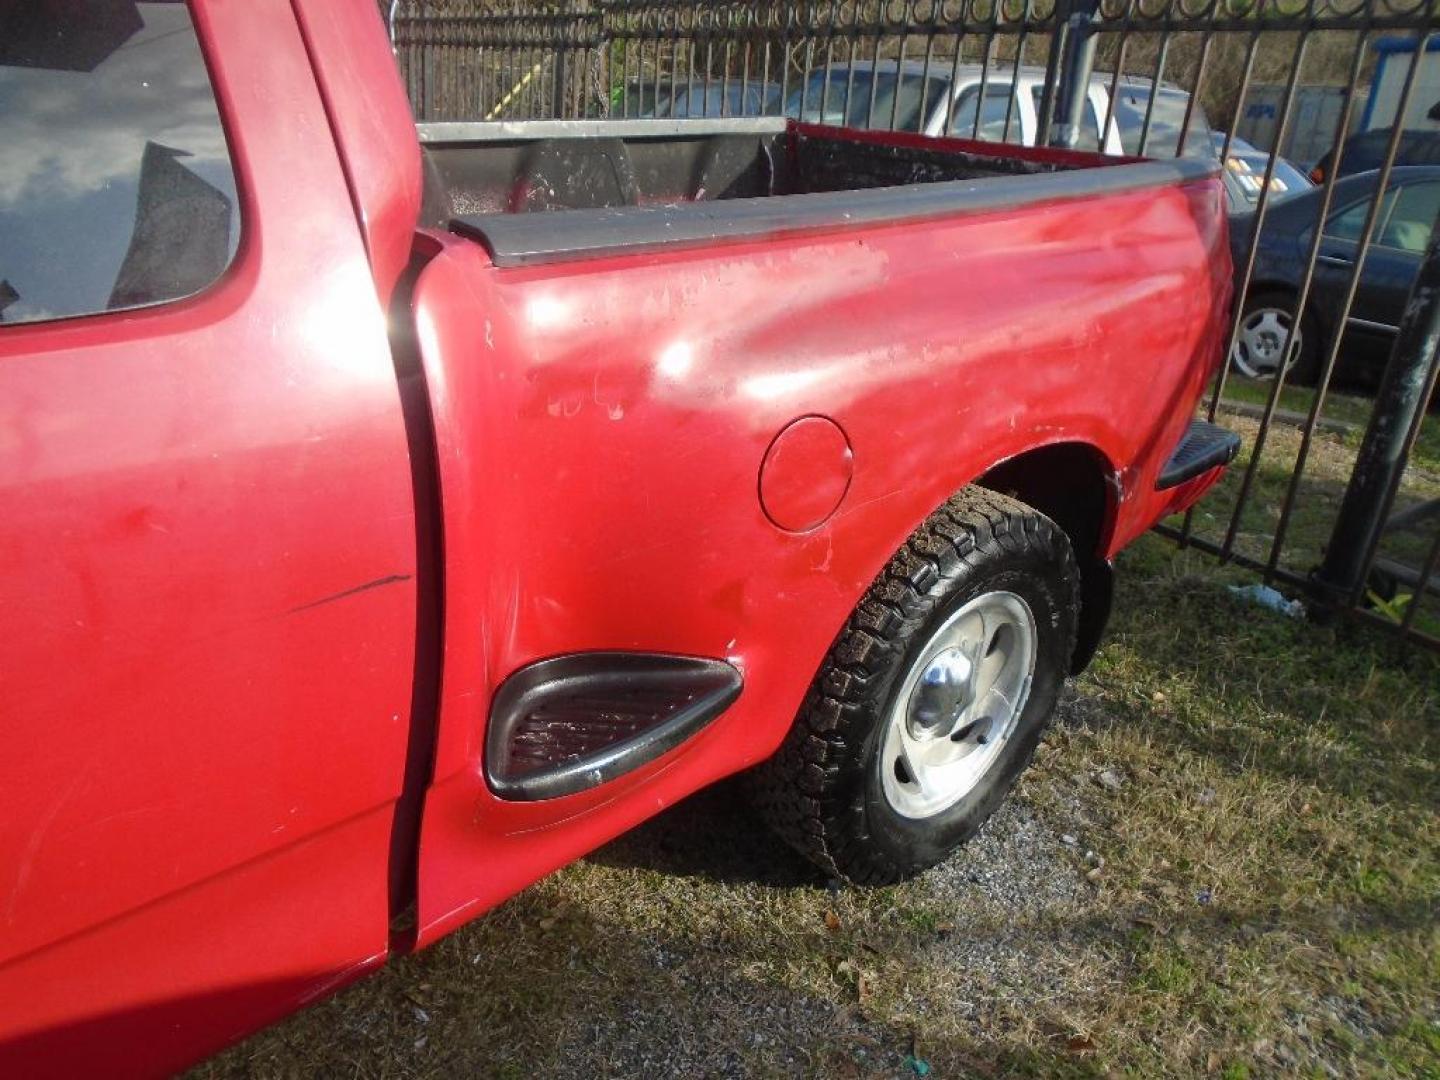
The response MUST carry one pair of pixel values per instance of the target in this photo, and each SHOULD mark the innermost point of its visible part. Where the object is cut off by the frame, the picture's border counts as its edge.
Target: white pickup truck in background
(994, 103)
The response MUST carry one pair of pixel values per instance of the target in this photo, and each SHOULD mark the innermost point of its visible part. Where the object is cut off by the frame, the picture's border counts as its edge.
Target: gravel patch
(990, 917)
(1018, 864)
(713, 1022)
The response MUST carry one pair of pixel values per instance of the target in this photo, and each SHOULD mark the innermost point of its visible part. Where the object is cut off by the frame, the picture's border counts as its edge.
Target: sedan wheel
(1263, 341)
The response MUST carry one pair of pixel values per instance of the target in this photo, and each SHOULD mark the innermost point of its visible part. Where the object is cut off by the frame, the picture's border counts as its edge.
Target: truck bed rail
(547, 191)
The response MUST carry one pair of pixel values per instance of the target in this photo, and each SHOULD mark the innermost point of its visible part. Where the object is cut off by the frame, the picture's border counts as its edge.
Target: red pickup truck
(391, 519)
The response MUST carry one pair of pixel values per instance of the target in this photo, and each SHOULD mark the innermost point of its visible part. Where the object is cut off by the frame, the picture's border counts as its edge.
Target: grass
(1328, 465)
(1258, 895)
(1315, 842)
(1351, 409)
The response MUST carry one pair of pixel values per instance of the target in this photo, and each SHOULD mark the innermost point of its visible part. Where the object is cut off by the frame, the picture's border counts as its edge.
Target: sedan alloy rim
(1263, 339)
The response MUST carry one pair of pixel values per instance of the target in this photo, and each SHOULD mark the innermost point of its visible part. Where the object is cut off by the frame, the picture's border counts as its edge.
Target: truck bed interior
(543, 191)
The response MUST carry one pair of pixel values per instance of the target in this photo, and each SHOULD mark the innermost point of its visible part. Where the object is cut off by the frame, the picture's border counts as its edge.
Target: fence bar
(1399, 409)
(1322, 386)
(1427, 578)
(1273, 398)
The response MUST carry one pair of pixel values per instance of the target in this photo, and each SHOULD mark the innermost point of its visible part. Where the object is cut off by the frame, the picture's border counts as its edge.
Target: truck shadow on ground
(587, 978)
(714, 835)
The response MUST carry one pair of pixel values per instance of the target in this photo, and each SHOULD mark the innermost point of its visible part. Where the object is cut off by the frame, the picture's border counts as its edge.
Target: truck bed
(547, 191)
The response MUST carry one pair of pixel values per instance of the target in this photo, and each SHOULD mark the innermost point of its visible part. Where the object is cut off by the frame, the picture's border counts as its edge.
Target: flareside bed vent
(566, 724)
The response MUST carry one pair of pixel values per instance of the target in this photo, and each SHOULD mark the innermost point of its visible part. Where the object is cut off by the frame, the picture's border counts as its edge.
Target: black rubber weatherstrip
(552, 700)
(1204, 446)
(563, 235)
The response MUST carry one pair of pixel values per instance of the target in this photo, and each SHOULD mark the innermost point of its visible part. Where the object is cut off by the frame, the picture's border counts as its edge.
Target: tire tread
(799, 791)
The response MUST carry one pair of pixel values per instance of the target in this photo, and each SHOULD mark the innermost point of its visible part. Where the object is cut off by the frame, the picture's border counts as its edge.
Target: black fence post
(1075, 52)
(560, 56)
(1404, 391)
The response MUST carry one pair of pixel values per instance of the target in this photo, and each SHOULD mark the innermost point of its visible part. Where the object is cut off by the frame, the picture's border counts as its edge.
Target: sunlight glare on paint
(676, 360)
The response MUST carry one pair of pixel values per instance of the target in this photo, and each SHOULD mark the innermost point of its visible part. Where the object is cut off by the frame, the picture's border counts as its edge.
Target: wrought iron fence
(1332, 357)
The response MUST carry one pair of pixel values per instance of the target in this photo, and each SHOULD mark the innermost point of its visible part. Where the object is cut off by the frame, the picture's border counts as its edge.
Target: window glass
(1167, 120)
(1350, 222)
(992, 106)
(1089, 138)
(1412, 217)
(116, 189)
(751, 99)
(846, 101)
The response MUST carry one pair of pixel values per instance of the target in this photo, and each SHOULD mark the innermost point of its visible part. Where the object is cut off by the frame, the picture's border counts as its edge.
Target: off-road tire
(821, 792)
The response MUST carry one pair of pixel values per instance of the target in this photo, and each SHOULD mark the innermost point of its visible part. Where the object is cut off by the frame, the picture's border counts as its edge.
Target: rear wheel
(934, 696)
(1263, 340)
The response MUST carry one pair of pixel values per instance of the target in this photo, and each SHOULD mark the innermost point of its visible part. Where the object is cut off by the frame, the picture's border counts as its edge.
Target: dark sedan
(1402, 231)
(1366, 151)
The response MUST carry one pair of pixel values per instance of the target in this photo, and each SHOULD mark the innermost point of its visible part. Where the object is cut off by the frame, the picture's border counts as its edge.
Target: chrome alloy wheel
(1262, 342)
(958, 705)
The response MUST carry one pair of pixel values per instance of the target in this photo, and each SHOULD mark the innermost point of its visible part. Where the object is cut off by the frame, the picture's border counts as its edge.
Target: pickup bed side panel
(601, 426)
(207, 619)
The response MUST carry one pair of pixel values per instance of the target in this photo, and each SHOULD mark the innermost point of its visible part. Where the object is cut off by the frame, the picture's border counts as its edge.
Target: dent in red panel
(805, 473)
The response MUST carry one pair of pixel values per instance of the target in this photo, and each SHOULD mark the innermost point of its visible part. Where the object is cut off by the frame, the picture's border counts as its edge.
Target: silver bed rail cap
(470, 131)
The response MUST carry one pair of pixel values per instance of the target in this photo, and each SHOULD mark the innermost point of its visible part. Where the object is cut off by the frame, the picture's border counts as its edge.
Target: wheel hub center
(946, 689)
(960, 701)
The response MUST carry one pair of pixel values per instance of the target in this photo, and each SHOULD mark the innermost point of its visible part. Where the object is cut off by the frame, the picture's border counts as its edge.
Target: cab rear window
(116, 187)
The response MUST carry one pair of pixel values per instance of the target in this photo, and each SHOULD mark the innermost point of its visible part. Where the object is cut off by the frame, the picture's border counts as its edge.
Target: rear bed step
(1204, 446)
